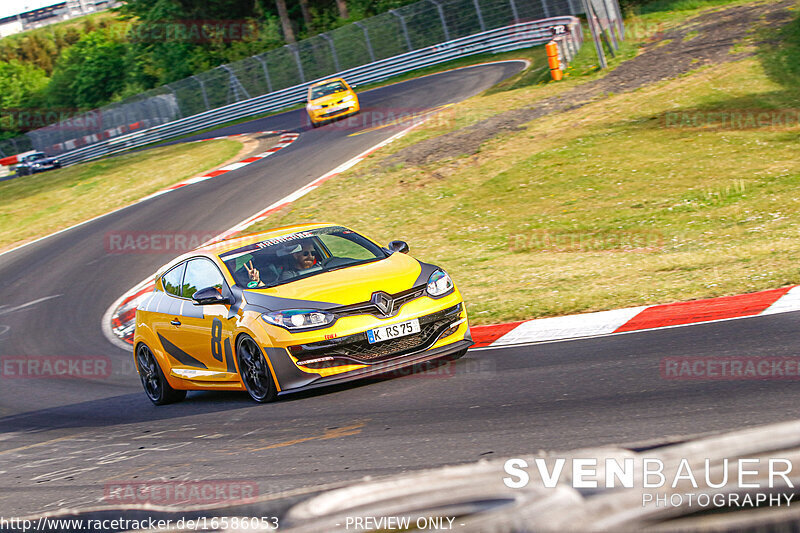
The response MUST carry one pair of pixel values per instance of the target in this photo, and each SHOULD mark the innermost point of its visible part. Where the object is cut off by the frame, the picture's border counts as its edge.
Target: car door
(164, 308)
(205, 329)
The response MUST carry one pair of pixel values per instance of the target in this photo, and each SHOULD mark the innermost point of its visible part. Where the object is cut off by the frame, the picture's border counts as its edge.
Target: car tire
(315, 124)
(254, 370)
(458, 355)
(155, 385)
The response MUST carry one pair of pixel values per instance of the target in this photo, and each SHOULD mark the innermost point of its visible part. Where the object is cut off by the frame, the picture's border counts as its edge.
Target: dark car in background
(36, 162)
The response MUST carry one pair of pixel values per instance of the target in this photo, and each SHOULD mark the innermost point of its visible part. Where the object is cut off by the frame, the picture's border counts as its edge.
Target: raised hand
(253, 272)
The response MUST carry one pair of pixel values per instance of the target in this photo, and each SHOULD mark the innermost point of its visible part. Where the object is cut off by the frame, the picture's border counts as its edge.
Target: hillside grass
(634, 199)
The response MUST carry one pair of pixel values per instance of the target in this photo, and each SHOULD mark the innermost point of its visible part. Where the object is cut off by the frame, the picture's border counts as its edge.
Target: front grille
(332, 113)
(368, 308)
(356, 348)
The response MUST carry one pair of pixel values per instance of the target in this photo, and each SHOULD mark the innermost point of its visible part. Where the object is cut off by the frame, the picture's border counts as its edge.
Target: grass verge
(34, 206)
(638, 198)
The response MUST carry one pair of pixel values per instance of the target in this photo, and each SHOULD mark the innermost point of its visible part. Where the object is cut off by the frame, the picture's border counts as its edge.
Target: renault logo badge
(383, 302)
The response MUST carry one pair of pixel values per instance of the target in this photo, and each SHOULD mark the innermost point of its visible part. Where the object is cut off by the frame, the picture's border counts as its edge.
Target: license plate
(393, 331)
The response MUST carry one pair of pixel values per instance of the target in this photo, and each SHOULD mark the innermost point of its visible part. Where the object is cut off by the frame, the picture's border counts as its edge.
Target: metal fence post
(234, 84)
(366, 40)
(202, 90)
(601, 56)
(572, 9)
(333, 50)
(297, 60)
(178, 100)
(620, 23)
(480, 15)
(441, 17)
(266, 71)
(610, 24)
(514, 10)
(546, 9)
(403, 26)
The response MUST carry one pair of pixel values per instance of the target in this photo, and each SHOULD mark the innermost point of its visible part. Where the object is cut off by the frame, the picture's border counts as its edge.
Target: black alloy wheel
(155, 384)
(254, 370)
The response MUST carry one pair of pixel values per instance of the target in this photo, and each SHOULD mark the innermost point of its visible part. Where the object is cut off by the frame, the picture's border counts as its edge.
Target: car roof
(323, 82)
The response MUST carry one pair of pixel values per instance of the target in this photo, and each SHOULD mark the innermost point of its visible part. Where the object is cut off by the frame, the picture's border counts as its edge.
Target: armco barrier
(504, 39)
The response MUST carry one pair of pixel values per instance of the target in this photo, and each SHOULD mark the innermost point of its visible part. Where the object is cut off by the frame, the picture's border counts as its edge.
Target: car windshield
(34, 157)
(328, 88)
(299, 255)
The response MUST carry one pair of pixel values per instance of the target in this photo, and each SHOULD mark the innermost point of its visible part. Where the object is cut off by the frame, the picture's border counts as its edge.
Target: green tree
(90, 73)
(20, 84)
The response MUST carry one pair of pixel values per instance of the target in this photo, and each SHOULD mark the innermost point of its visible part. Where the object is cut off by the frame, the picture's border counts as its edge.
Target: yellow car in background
(291, 309)
(330, 100)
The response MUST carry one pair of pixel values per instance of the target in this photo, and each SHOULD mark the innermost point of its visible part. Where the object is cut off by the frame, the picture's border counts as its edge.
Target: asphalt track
(62, 441)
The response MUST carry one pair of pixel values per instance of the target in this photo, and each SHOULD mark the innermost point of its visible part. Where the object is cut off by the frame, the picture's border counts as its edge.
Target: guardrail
(513, 37)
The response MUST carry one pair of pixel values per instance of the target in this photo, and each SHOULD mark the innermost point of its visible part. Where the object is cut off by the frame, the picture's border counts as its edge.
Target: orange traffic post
(552, 60)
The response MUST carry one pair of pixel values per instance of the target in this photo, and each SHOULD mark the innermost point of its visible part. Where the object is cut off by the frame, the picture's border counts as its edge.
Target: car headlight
(347, 98)
(314, 107)
(439, 283)
(299, 319)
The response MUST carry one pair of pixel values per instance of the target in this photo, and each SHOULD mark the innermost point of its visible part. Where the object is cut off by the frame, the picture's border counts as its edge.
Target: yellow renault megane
(329, 100)
(291, 309)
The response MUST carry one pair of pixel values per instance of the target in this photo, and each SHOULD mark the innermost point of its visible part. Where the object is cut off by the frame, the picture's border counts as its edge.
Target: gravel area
(672, 55)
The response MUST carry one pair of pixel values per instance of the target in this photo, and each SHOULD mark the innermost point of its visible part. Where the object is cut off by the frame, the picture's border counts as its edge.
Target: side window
(201, 273)
(172, 280)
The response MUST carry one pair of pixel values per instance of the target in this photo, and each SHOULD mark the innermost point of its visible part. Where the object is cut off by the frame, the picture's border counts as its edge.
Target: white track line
(189, 181)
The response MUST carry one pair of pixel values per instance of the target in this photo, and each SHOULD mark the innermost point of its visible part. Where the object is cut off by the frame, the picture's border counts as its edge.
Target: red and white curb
(641, 318)
(119, 320)
(286, 139)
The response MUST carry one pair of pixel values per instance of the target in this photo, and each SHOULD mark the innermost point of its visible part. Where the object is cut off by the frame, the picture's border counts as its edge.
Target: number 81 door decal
(216, 346)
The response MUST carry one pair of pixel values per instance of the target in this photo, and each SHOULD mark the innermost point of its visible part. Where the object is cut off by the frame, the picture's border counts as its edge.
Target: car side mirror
(398, 246)
(208, 296)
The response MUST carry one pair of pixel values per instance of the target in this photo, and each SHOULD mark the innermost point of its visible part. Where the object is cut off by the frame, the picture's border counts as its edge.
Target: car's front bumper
(302, 381)
(43, 168)
(324, 115)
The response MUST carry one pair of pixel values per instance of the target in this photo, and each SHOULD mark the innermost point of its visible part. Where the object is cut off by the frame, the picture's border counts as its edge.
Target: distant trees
(96, 60)
(90, 73)
(342, 6)
(286, 23)
(20, 84)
